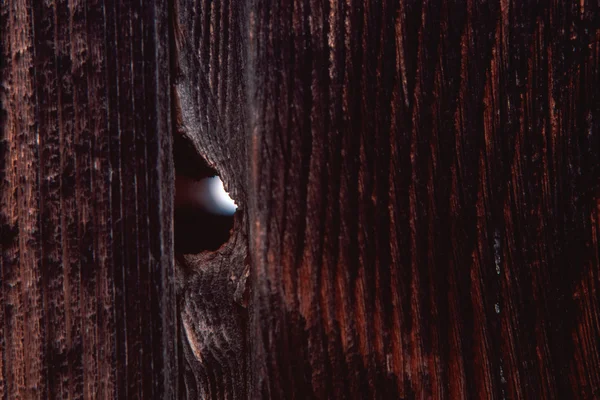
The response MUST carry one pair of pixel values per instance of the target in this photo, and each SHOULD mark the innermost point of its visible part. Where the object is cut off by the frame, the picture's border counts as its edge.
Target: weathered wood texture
(209, 109)
(418, 186)
(87, 302)
(423, 199)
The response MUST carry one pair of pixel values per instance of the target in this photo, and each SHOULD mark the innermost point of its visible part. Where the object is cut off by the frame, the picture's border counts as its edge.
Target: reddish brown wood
(419, 193)
(423, 199)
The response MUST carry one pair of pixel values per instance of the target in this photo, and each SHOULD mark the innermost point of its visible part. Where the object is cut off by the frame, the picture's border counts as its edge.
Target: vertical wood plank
(423, 199)
(88, 302)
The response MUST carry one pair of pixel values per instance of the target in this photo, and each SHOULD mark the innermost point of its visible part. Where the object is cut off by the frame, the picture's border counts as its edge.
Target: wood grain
(87, 299)
(423, 199)
(209, 107)
(418, 183)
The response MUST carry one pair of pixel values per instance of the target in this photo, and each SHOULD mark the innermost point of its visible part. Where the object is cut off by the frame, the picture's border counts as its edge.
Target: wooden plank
(423, 199)
(88, 296)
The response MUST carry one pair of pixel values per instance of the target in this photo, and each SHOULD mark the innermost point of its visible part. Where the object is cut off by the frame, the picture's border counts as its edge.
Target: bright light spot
(219, 201)
(207, 194)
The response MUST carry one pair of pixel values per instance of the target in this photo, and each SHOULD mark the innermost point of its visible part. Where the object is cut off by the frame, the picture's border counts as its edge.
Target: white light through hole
(221, 202)
(207, 194)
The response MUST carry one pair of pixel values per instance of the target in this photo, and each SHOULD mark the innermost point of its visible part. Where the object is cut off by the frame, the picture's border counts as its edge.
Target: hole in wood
(203, 210)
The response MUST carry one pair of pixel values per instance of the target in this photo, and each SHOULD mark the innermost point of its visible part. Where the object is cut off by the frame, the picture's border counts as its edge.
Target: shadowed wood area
(209, 111)
(418, 191)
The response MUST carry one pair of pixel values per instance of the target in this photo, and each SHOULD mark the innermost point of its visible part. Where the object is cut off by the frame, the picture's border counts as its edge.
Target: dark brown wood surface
(418, 187)
(423, 199)
(87, 299)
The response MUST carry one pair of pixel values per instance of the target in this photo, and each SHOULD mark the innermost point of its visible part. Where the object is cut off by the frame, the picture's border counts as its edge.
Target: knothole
(204, 212)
